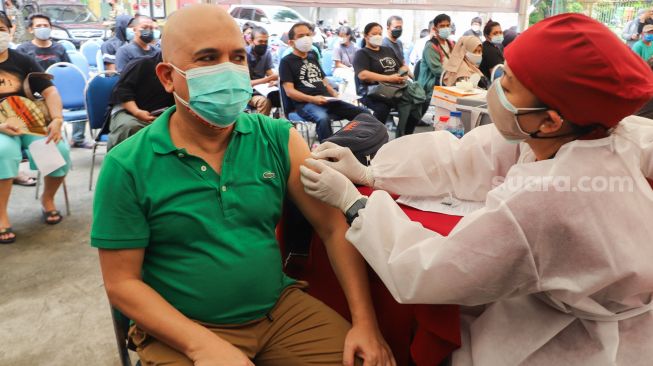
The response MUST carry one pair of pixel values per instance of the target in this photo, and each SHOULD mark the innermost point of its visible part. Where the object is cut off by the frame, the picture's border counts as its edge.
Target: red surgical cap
(578, 67)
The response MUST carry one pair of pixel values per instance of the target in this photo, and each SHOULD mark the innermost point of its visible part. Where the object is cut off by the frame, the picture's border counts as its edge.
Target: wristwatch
(352, 212)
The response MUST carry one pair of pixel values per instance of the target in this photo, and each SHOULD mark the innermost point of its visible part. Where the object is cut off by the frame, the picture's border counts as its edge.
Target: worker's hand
(343, 160)
(54, 131)
(220, 353)
(366, 342)
(396, 79)
(328, 185)
(10, 130)
(144, 116)
(319, 100)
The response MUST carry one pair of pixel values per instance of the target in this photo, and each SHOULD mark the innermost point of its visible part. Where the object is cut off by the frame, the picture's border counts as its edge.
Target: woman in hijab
(463, 62)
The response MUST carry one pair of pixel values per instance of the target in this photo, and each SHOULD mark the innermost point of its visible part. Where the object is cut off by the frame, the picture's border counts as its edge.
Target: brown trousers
(262, 104)
(299, 330)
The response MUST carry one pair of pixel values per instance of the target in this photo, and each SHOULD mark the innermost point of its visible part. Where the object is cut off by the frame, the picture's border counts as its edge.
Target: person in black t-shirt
(14, 68)
(373, 64)
(41, 48)
(138, 98)
(304, 82)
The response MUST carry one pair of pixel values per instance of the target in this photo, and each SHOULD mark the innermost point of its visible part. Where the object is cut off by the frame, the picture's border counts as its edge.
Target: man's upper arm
(322, 217)
(119, 221)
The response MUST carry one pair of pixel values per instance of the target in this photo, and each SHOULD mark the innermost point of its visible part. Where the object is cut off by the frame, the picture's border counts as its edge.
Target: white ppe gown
(564, 274)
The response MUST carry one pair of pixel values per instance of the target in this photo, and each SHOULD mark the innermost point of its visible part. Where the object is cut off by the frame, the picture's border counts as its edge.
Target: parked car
(71, 20)
(277, 20)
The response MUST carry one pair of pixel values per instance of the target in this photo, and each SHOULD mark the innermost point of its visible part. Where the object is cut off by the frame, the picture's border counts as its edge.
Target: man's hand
(273, 77)
(343, 160)
(273, 83)
(10, 130)
(634, 37)
(144, 116)
(319, 100)
(396, 79)
(54, 131)
(219, 353)
(328, 185)
(366, 342)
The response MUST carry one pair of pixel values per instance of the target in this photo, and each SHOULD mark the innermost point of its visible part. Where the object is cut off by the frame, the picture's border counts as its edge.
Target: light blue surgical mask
(497, 40)
(42, 33)
(129, 34)
(156, 33)
(648, 37)
(444, 33)
(217, 93)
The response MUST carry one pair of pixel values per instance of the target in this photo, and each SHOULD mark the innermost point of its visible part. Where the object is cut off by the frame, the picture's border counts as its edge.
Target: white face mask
(474, 58)
(304, 44)
(343, 40)
(476, 28)
(5, 38)
(376, 40)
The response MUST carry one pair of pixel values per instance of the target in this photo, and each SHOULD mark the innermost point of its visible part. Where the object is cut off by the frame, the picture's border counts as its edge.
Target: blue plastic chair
(327, 62)
(69, 46)
(97, 97)
(77, 59)
(70, 82)
(99, 60)
(89, 49)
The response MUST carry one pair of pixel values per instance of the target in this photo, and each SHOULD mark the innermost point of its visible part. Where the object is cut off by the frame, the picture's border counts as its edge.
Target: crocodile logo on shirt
(269, 175)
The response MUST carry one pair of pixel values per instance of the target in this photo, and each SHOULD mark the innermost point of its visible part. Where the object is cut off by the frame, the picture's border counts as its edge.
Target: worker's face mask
(5, 38)
(376, 40)
(42, 33)
(497, 40)
(474, 58)
(304, 44)
(217, 93)
(444, 33)
(505, 115)
(147, 35)
(129, 34)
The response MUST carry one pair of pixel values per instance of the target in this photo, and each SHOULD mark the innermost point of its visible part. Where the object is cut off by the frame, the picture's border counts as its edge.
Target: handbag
(364, 136)
(386, 92)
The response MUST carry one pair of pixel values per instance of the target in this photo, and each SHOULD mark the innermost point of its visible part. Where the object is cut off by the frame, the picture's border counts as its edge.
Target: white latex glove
(328, 185)
(343, 160)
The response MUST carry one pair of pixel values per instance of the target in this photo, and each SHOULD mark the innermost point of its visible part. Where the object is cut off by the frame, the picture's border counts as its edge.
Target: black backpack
(364, 136)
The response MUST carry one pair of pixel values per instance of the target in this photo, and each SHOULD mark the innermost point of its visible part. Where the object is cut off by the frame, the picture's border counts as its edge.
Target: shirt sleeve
(285, 73)
(440, 164)
(361, 62)
(269, 65)
(122, 58)
(64, 55)
(119, 221)
(337, 54)
(129, 82)
(37, 84)
(432, 59)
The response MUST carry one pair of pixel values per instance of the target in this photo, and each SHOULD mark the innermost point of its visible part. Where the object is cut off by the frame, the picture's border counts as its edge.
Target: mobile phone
(403, 72)
(158, 112)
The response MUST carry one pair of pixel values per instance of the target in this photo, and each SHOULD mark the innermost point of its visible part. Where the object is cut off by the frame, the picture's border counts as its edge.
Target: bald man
(185, 214)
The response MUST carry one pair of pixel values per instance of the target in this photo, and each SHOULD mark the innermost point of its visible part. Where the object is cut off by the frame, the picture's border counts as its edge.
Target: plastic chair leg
(90, 180)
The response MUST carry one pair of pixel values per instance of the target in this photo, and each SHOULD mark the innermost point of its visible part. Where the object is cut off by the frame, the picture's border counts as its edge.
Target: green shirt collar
(160, 131)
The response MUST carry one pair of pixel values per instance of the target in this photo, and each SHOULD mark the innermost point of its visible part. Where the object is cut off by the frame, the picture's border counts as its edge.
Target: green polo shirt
(209, 239)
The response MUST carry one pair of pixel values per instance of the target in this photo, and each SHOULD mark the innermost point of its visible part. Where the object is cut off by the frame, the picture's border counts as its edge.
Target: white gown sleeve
(639, 131)
(436, 163)
(484, 259)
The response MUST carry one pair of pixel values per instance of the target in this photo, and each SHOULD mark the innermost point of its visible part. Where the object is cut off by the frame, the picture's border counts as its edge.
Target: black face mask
(147, 35)
(260, 49)
(396, 33)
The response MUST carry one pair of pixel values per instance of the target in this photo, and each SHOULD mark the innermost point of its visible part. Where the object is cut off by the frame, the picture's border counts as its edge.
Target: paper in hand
(46, 156)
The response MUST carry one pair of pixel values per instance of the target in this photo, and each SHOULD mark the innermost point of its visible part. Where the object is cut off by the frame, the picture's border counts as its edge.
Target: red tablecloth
(427, 332)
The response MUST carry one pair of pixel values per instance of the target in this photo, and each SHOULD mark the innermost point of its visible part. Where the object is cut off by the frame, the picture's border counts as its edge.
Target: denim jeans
(79, 131)
(322, 115)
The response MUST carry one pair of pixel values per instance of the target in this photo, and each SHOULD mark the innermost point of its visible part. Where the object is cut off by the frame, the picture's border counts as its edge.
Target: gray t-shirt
(345, 54)
(398, 47)
(131, 51)
(258, 65)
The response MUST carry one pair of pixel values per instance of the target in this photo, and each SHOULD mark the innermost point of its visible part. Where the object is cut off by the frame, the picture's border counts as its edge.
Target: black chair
(121, 328)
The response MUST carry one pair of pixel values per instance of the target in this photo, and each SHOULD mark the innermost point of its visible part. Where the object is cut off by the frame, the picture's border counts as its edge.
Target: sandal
(51, 215)
(25, 181)
(6, 231)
